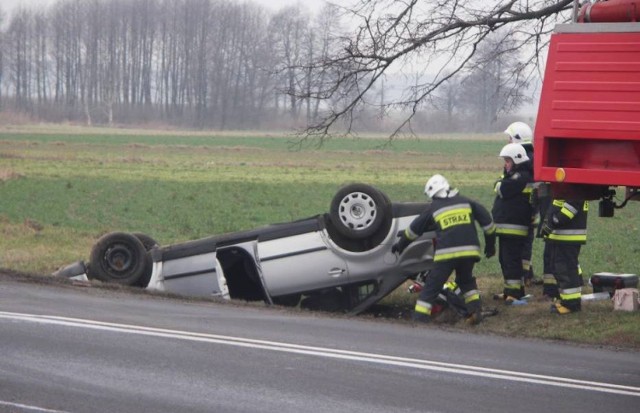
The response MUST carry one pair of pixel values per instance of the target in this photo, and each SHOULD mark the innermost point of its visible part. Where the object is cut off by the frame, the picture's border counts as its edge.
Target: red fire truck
(587, 133)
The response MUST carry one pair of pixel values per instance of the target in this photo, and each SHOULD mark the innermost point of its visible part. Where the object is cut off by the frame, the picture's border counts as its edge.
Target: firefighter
(453, 217)
(520, 132)
(512, 212)
(565, 231)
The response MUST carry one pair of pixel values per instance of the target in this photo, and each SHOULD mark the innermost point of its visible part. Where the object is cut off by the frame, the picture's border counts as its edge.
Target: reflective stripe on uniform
(571, 293)
(423, 307)
(489, 229)
(452, 286)
(471, 295)
(572, 235)
(568, 210)
(549, 279)
(453, 215)
(513, 284)
(512, 229)
(456, 252)
(410, 235)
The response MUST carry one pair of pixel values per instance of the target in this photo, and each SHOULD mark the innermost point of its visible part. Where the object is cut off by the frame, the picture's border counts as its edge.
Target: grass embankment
(60, 190)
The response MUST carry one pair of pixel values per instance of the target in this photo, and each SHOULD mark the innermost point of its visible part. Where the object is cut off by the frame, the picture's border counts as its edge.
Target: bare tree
(289, 26)
(2, 46)
(496, 81)
(326, 23)
(17, 39)
(443, 35)
(447, 97)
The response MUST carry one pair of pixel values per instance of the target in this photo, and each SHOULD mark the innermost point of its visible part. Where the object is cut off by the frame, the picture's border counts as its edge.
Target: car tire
(146, 241)
(120, 258)
(358, 211)
(148, 244)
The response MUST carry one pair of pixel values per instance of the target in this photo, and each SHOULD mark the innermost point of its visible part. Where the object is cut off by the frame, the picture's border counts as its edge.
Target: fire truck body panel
(588, 125)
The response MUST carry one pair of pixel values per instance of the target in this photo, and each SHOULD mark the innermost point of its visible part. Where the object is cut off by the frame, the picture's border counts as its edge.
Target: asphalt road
(88, 350)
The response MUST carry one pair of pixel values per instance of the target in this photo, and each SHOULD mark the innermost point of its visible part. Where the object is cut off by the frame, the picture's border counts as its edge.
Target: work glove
(489, 246)
(535, 219)
(400, 245)
(546, 229)
(496, 188)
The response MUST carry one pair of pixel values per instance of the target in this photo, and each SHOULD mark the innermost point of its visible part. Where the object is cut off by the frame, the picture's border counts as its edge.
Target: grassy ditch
(63, 188)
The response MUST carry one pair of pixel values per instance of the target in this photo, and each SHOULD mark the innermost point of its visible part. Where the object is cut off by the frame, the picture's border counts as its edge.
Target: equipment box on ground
(609, 282)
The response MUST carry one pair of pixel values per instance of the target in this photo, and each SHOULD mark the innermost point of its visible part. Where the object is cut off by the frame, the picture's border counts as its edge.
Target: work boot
(420, 317)
(475, 318)
(558, 308)
(474, 309)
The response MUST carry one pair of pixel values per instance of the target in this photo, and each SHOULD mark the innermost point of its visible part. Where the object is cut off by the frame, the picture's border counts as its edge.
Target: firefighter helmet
(516, 152)
(519, 132)
(437, 187)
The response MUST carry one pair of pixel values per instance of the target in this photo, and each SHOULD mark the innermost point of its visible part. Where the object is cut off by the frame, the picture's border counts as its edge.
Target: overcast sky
(8, 5)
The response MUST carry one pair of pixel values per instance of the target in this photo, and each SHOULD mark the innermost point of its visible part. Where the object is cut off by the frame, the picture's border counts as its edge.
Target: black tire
(358, 211)
(146, 240)
(148, 244)
(118, 258)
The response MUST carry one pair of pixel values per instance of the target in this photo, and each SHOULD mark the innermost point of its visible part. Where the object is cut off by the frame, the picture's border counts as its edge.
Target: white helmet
(519, 132)
(437, 187)
(516, 152)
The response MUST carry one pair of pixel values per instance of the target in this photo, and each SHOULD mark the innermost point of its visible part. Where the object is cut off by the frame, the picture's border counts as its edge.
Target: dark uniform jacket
(567, 221)
(454, 220)
(512, 209)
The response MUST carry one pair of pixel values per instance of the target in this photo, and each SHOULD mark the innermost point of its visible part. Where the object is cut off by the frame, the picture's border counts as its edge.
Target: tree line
(217, 64)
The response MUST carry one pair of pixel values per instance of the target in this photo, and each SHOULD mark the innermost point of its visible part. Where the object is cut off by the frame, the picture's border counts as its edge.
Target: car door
(300, 263)
(195, 275)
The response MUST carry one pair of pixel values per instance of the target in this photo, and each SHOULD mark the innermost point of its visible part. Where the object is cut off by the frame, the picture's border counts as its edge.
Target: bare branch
(441, 36)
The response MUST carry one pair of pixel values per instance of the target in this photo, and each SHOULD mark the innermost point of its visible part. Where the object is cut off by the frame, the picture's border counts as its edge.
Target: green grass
(62, 188)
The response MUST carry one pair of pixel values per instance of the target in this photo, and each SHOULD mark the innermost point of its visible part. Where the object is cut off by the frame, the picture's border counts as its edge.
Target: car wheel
(148, 244)
(359, 211)
(146, 241)
(119, 258)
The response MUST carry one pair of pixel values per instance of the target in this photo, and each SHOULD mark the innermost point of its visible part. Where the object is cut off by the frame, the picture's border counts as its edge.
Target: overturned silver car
(337, 261)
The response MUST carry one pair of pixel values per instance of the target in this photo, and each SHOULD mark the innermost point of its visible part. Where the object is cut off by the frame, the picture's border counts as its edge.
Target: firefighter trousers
(566, 270)
(549, 283)
(527, 253)
(464, 278)
(510, 256)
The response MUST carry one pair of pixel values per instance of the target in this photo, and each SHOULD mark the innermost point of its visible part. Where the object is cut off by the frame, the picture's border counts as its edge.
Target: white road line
(461, 369)
(29, 408)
